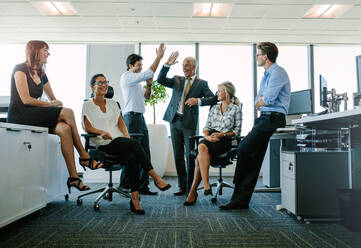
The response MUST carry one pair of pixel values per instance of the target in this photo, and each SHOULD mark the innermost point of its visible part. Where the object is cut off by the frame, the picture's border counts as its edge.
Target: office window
(294, 60)
(148, 54)
(65, 70)
(12, 55)
(219, 63)
(337, 64)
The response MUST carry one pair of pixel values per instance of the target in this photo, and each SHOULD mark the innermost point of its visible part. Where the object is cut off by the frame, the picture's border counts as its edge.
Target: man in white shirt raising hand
(134, 108)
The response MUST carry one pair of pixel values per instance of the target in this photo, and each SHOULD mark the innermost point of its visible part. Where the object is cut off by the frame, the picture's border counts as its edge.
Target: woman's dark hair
(32, 51)
(269, 49)
(92, 80)
(132, 59)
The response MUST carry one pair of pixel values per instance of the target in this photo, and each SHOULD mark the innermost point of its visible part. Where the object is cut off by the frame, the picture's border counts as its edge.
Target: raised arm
(162, 77)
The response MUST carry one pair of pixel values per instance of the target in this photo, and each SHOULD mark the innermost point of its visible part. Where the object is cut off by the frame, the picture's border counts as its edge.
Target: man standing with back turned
(182, 114)
(272, 100)
(134, 108)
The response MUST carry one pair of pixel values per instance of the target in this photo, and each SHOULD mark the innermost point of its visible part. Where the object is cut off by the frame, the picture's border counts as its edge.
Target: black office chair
(220, 162)
(110, 163)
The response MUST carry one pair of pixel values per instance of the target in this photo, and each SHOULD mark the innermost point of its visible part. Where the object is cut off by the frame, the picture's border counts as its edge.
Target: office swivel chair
(110, 163)
(220, 162)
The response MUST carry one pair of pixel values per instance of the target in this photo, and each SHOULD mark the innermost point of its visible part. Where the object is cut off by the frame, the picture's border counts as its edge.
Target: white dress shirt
(133, 91)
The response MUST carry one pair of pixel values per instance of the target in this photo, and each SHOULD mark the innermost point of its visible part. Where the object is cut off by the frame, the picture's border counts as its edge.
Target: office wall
(109, 60)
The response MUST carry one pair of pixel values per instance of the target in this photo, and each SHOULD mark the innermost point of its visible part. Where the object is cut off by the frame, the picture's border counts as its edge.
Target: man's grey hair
(192, 60)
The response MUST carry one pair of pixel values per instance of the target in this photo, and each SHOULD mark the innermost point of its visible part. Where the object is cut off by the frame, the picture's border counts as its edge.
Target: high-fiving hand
(172, 60)
(160, 51)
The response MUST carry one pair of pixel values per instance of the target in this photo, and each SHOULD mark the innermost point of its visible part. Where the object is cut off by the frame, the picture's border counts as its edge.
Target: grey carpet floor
(168, 223)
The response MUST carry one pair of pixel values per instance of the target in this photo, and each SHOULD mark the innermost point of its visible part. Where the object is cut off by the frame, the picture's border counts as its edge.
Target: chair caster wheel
(96, 207)
(66, 197)
(106, 196)
(79, 202)
(214, 200)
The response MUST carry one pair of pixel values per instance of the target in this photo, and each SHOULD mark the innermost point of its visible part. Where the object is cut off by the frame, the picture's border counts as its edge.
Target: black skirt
(219, 147)
(36, 116)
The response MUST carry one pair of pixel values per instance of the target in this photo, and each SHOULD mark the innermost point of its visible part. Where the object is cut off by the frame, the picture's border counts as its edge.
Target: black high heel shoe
(137, 211)
(76, 185)
(90, 164)
(164, 188)
(187, 203)
(208, 191)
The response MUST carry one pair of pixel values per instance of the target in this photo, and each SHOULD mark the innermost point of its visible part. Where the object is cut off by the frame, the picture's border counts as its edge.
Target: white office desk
(332, 120)
(346, 119)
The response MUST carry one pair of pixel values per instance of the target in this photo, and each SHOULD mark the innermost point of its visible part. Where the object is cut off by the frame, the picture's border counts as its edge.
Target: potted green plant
(159, 94)
(158, 133)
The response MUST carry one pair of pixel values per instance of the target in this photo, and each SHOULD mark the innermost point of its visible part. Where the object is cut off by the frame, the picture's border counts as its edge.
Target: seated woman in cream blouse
(224, 121)
(102, 116)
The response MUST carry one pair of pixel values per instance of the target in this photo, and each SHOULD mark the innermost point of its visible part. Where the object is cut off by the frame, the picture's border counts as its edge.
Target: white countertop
(338, 116)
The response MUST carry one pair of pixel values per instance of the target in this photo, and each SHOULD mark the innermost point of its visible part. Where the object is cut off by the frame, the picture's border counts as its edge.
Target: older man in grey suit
(182, 113)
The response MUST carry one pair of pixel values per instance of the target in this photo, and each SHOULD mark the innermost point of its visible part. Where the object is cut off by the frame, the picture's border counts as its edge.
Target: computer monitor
(301, 102)
(358, 71)
(323, 92)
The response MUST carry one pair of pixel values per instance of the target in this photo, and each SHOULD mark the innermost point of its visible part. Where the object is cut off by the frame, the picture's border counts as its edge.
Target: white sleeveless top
(107, 121)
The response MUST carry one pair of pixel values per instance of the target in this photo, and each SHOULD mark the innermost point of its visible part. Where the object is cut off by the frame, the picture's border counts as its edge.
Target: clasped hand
(105, 135)
(56, 103)
(214, 137)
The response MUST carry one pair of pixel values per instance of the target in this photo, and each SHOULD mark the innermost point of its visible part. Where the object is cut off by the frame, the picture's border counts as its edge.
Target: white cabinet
(23, 163)
(57, 170)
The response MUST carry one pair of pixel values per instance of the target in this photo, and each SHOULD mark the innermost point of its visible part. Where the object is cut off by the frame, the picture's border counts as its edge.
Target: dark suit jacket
(199, 89)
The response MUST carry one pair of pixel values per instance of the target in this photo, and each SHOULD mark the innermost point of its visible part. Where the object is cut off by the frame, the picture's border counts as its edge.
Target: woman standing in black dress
(28, 81)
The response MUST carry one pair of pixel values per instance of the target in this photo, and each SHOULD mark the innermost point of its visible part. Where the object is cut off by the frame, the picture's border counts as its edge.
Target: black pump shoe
(164, 188)
(187, 203)
(208, 191)
(137, 211)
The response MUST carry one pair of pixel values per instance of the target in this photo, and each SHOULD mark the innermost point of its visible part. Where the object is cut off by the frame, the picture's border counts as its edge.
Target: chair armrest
(88, 135)
(135, 135)
(195, 137)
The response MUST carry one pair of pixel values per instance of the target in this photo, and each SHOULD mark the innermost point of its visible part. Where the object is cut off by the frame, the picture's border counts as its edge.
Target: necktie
(188, 86)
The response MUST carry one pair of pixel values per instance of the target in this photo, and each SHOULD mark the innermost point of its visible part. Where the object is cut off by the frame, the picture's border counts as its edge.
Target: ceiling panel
(346, 25)
(287, 11)
(17, 9)
(354, 12)
(277, 23)
(94, 9)
(138, 22)
(207, 23)
(234, 23)
(172, 9)
(247, 10)
(313, 24)
(172, 22)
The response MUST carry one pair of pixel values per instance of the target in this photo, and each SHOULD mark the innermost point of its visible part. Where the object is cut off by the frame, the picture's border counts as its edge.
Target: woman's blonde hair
(230, 92)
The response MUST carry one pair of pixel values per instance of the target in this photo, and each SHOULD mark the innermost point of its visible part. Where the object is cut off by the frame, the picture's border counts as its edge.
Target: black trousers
(136, 124)
(182, 146)
(250, 154)
(134, 154)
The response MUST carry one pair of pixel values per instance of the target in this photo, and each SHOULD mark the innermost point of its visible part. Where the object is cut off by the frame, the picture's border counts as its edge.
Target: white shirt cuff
(199, 101)
(165, 65)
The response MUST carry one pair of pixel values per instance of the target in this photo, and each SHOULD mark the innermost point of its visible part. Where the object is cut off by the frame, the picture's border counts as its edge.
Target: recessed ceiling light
(211, 9)
(55, 8)
(327, 11)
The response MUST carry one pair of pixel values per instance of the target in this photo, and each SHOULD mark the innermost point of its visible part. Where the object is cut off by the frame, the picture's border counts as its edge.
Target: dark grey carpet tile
(168, 223)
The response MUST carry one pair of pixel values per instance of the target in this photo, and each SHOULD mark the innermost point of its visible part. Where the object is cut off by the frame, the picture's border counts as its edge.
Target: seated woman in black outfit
(102, 116)
(28, 81)
(224, 121)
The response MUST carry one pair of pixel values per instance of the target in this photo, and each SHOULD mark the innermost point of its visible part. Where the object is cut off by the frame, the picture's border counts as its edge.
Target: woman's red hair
(33, 57)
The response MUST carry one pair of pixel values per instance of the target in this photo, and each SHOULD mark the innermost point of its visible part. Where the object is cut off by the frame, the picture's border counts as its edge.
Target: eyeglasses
(105, 83)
